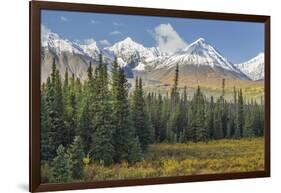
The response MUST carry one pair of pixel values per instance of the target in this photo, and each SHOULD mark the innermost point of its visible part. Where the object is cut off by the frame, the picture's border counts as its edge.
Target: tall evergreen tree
(54, 134)
(44, 124)
(248, 126)
(102, 138)
(125, 142)
(218, 120)
(175, 93)
(240, 115)
(86, 125)
(201, 131)
(210, 123)
(139, 116)
(70, 108)
(198, 129)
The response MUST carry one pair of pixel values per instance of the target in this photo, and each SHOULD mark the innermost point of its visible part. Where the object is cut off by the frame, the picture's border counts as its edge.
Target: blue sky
(237, 41)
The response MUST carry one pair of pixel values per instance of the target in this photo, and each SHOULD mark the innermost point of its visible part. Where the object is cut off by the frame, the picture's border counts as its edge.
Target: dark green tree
(218, 120)
(61, 169)
(44, 124)
(210, 122)
(76, 154)
(70, 108)
(54, 133)
(86, 124)
(125, 143)
(240, 115)
(140, 118)
(102, 138)
(197, 128)
(86, 127)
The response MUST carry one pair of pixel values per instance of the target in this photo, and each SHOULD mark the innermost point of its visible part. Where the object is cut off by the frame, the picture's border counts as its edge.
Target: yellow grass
(222, 156)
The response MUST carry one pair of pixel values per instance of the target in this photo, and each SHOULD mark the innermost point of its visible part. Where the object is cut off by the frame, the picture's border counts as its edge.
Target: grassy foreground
(222, 156)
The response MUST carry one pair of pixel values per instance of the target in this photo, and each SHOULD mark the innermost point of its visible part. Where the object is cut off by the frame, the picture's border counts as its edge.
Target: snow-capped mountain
(91, 48)
(54, 43)
(134, 55)
(199, 55)
(253, 68)
(69, 55)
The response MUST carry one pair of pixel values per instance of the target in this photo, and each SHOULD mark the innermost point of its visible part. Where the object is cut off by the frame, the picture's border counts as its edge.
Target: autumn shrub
(221, 156)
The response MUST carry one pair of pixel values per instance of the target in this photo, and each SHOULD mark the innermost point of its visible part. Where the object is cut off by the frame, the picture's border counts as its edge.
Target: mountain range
(198, 62)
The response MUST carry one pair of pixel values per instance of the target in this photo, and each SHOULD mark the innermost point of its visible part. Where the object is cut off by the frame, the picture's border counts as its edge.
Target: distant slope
(253, 68)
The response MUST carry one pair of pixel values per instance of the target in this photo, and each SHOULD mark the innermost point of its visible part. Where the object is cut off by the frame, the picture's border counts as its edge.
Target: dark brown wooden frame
(34, 99)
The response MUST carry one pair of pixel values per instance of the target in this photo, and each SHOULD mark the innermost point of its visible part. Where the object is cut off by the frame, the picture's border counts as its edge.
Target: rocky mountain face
(198, 62)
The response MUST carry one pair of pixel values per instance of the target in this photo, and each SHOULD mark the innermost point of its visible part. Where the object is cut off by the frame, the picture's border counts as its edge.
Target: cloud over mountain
(167, 39)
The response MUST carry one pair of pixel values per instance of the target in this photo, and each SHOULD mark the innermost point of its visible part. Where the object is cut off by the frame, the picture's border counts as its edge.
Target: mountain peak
(200, 40)
(198, 44)
(128, 39)
(201, 53)
(260, 55)
(253, 68)
(127, 43)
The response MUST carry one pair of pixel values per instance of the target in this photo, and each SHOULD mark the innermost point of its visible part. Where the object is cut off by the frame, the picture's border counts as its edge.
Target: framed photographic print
(123, 96)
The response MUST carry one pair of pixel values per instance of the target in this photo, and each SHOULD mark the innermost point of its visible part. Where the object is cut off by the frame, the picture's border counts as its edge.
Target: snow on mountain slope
(56, 44)
(253, 68)
(91, 48)
(68, 55)
(134, 54)
(198, 53)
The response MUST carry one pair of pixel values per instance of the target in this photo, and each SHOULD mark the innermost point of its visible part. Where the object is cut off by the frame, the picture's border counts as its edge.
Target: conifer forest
(104, 128)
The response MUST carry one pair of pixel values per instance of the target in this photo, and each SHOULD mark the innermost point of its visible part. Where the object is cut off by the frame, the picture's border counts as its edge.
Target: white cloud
(104, 43)
(62, 18)
(115, 32)
(168, 39)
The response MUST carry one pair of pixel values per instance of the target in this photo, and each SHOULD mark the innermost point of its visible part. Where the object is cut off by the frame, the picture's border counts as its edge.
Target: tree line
(99, 119)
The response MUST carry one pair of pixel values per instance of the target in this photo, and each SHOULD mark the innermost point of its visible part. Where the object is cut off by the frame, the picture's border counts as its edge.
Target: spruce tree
(218, 120)
(140, 119)
(102, 138)
(55, 132)
(86, 125)
(44, 124)
(76, 154)
(248, 126)
(257, 120)
(174, 93)
(70, 108)
(201, 131)
(240, 115)
(125, 143)
(135, 153)
(61, 169)
(210, 119)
